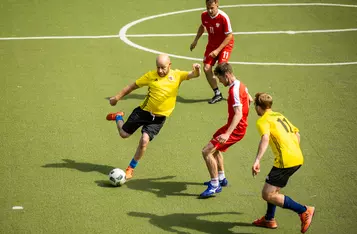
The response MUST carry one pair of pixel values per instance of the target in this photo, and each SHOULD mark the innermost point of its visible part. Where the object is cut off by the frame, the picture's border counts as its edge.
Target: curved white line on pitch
(123, 36)
(249, 33)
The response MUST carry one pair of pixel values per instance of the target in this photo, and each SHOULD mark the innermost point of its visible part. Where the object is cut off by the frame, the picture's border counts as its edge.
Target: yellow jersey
(282, 139)
(162, 91)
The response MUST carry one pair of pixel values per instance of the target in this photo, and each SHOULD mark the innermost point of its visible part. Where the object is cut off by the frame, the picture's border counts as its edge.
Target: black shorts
(151, 123)
(279, 176)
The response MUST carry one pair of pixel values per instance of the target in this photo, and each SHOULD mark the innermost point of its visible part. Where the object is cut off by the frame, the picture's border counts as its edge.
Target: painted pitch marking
(124, 37)
(177, 35)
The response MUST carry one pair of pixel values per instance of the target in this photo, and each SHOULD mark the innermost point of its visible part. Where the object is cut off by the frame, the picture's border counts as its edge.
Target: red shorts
(223, 56)
(236, 136)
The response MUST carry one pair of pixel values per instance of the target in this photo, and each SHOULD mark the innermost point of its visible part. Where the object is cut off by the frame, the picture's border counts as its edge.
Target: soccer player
(284, 138)
(163, 84)
(232, 132)
(220, 42)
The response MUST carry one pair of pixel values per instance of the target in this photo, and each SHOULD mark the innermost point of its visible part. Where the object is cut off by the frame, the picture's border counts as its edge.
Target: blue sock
(292, 205)
(270, 211)
(118, 117)
(133, 163)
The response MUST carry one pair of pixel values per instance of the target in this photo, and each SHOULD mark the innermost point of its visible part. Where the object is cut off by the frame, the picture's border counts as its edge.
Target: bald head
(163, 65)
(162, 59)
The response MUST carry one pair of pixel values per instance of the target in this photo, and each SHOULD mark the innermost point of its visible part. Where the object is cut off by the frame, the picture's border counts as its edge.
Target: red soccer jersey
(217, 28)
(238, 96)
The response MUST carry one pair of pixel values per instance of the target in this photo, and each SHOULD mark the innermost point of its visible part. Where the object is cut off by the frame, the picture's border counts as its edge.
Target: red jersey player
(239, 101)
(220, 42)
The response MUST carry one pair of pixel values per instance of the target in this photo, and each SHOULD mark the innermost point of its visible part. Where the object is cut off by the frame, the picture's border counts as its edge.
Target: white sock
(221, 175)
(214, 182)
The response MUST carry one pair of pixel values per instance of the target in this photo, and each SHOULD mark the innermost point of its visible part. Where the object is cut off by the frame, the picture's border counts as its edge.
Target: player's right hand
(193, 45)
(255, 168)
(113, 101)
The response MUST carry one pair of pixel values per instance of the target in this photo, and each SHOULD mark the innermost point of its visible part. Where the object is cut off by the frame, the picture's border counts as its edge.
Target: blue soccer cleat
(211, 190)
(223, 182)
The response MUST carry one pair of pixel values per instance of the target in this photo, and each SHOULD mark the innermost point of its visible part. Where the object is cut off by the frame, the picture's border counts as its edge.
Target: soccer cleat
(129, 172)
(223, 182)
(216, 98)
(211, 190)
(306, 218)
(262, 222)
(111, 116)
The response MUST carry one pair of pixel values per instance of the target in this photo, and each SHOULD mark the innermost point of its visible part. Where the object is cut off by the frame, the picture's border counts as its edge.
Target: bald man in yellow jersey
(163, 84)
(284, 138)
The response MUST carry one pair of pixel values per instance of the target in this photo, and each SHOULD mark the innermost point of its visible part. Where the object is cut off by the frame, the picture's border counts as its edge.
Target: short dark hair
(211, 1)
(263, 100)
(223, 68)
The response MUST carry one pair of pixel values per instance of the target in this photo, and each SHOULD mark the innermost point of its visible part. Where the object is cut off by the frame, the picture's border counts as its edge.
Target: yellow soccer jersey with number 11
(162, 91)
(283, 141)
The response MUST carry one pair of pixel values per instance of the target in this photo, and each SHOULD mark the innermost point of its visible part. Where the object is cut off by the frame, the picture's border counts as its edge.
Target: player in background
(233, 131)
(163, 84)
(220, 42)
(284, 139)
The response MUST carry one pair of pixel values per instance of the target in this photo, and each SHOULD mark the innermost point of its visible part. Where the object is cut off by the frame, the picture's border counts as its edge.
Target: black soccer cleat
(216, 98)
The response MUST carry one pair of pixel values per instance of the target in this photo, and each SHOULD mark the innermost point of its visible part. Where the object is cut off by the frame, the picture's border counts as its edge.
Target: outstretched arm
(125, 91)
(196, 71)
(200, 31)
(263, 145)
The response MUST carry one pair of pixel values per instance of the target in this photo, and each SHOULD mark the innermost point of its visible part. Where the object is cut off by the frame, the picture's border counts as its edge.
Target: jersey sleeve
(227, 24)
(182, 74)
(263, 126)
(144, 80)
(236, 96)
(202, 18)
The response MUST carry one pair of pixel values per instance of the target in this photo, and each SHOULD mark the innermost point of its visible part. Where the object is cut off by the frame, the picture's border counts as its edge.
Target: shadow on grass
(178, 99)
(157, 186)
(81, 166)
(191, 221)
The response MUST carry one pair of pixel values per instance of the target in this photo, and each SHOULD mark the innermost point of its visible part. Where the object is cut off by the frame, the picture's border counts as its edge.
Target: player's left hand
(213, 54)
(223, 138)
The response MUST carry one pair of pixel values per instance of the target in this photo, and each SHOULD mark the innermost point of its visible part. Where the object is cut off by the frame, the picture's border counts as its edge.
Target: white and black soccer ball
(117, 177)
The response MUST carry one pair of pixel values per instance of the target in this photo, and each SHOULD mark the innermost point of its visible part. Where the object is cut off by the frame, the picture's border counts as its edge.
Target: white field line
(250, 33)
(177, 35)
(57, 37)
(289, 4)
(124, 36)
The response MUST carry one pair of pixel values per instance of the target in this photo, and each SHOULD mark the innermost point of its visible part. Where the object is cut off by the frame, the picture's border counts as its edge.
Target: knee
(207, 68)
(267, 196)
(144, 141)
(205, 152)
(123, 134)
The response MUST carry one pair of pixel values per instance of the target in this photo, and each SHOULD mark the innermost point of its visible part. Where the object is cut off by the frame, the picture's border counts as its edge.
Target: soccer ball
(117, 177)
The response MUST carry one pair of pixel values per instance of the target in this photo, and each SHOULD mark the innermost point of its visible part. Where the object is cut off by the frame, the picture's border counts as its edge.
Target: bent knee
(144, 140)
(206, 151)
(124, 134)
(207, 68)
(267, 196)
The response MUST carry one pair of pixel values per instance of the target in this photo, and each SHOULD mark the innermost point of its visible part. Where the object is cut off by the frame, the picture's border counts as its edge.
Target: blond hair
(263, 100)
